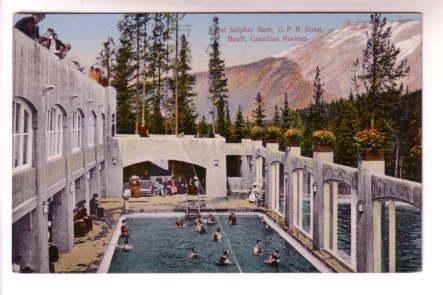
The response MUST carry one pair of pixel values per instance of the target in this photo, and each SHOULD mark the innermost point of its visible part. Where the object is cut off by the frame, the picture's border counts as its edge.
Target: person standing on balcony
(28, 25)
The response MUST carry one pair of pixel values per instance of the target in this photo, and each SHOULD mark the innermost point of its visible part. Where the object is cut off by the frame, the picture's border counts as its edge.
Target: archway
(303, 197)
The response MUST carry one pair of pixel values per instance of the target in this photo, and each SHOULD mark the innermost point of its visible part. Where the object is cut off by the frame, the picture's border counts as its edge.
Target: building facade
(63, 122)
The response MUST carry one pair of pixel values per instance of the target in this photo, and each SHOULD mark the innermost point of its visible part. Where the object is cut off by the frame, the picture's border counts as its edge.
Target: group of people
(82, 220)
(274, 258)
(172, 186)
(29, 26)
(256, 195)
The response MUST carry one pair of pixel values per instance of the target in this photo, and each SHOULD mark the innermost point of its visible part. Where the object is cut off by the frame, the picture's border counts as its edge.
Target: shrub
(273, 133)
(293, 134)
(323, 137)
(257, 133)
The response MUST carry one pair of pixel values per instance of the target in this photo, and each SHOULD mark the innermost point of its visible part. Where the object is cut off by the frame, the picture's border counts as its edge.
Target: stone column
(62, 223)
(300, 196)
(294, 151)
(272, 146)
(318, 220)
(334, 217)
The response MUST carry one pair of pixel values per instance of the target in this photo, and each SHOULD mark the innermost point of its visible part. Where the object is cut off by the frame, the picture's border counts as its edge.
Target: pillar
(392, 236)
(62, 223)
(327, 215)
(334, 217)
(353, 229)
(272, 147)
(300, 198)
(294, 151)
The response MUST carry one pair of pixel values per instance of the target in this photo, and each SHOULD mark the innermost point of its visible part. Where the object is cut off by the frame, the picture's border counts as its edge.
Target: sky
(87, 32)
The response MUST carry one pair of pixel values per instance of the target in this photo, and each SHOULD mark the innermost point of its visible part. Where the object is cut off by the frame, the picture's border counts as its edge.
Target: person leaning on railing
(28, 25)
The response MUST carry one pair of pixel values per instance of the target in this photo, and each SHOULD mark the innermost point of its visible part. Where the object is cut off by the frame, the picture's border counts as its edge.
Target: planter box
(324, 148)
(293, 143)
(374, 155)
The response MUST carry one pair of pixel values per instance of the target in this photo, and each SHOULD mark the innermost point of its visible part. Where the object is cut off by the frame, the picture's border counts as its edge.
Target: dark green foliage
(259, 111)
(285, 115)
(239, 127)
(203, 127)
(276, 121)
(218, 90)
(228, 124)
(347, 123)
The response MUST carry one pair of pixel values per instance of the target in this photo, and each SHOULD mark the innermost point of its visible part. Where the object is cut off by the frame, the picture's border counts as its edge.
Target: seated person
(232, 219)
(224, 259)
(194, 253)
(211, 219)
(274, 259)
(95, 209)
(124, 229)
(126, 246)
(258, 249)
(216, 236)
(80, 228)
(180, 223)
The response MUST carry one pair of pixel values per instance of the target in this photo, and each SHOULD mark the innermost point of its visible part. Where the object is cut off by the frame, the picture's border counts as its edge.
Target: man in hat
(28, 25)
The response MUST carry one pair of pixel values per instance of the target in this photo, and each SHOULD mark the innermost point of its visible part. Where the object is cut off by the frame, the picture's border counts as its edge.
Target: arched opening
(278, 188)
(22, 134)
(302, 194)
(175, 177)
(260, 176)
(54, 132)
(397, 236)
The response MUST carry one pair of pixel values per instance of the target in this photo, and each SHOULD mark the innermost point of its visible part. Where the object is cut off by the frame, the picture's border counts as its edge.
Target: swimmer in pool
(262, 220)
(126, 247)
(224, 259)
(194, 253)
(211, 219)
(258, 249)
(232, 219)
(200, 228)
(274, 259)
(180, 223)
(216, 236)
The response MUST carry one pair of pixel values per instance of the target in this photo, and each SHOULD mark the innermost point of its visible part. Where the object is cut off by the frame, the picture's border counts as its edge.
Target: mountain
(293, 71)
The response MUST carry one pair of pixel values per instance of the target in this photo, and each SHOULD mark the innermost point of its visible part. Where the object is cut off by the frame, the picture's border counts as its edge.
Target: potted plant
(257, 133)
(323, 140)
(372, 141)
(273, 134)
(293, 136)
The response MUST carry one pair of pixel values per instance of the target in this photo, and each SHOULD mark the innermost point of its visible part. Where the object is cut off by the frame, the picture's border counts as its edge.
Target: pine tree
(218, 91)
(106, 59)
(345, 151)
(276, 118)
(239, 125)
(318, 88)
(285, 114)
(203, 128)
(228, 124)
(380, 69)
(185, 83)
(259, 111)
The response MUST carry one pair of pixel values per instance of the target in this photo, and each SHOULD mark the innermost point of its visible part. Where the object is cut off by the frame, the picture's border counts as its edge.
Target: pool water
(159, 247)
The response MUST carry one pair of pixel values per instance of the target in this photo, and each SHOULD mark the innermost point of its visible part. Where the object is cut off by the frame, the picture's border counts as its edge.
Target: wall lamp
(314, 187)
(45, 208)
(215, 162)
(360, 206)
(74, 96)
(47, 88)
(114, 162)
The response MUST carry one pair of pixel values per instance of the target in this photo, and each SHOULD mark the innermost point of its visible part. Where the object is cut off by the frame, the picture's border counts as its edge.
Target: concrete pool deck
(89, 251)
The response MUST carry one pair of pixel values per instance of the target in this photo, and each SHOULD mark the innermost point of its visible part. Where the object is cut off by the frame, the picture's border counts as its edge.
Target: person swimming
(126, 246)
(216, 236)
(180, 223)
(124, 229)
(274, 259)
(211, 219)
(258, 249)
(200, 228)
(194, 253)
(224, 259)
(262, 220)
(232, 219)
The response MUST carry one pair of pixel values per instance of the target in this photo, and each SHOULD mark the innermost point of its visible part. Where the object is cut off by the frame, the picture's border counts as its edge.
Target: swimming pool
(160, 247)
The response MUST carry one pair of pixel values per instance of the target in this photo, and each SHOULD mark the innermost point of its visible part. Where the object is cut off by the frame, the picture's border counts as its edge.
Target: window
(92, 123)
(21, 135)
(101, 130)
(54, 132)
(76, 130)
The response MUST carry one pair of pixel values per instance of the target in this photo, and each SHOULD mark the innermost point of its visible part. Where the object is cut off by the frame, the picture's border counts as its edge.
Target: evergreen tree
(345, 151)
(157, 69)
(276, 119)
(106, 59)
(285, 114)
(218, 91)
(228, 124)
(259, 111)
(380, 69)
(203, 127)
(185, 82)
(239, 125)
(318, 88)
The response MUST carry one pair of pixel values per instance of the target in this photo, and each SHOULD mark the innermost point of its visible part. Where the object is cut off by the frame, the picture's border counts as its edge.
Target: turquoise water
(159, 247)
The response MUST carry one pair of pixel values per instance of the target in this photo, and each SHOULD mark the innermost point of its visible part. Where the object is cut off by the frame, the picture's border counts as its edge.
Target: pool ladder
(192, 211)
